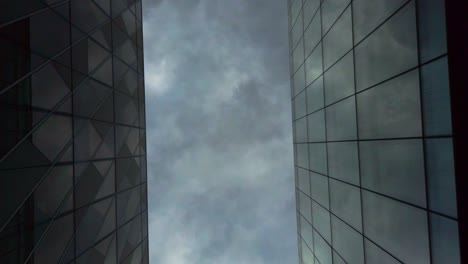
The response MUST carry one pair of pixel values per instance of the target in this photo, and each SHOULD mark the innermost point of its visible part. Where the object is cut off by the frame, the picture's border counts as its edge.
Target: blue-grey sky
(220, 162)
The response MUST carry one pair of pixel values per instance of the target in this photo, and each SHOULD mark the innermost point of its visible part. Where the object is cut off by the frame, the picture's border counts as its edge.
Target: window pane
(93, 180)
(298, 55)
(338, 40)
(93, 139)
(306, 232)
(307, 256)
(47, 202)
(322, 250)
(305, 206)
(126, 109)
(394, 168)
(436, 98)
(128, 238)
(297, 31)
(391, 109)
(299, 80)
(397, 227)
(127, 141)
(376, 255)
(310, 9)
(367, 15)
(331, 10)
(315, 96)
(303, 180)
(341, 120)
(432, 35)
(300, 105)
(339, 80)
(316, 126)
(390, 50)
(312, 34)
(301, 130)
(345, 202)
(321, 221)
(441, 176)
(444, 240)
(53, 135)
(93, 223)
(128, 205)
(313, 65)
(55, 241)
(302, 155)
(319, 189)
(318, 157)
(127, 172)
(104, 252)
(347, 242)
(343, 162)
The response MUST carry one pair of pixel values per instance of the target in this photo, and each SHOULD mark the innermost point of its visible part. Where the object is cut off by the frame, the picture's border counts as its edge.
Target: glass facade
(73, 145)
(373, 139)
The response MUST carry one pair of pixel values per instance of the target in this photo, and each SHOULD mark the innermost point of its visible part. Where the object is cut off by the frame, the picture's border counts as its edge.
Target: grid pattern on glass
(72, 148)
(372, 138)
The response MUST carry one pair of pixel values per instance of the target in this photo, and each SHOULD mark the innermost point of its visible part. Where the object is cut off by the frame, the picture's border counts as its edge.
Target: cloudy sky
(220, 171)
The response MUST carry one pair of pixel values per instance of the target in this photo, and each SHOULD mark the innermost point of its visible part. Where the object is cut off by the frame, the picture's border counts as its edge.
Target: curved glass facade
(73, 145)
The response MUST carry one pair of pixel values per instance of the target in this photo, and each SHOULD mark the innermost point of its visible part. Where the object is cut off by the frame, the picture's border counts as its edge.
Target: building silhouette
(378, 96)
(72, 133)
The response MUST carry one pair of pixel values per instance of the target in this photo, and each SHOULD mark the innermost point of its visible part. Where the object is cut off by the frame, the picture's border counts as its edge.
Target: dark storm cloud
(219, 133)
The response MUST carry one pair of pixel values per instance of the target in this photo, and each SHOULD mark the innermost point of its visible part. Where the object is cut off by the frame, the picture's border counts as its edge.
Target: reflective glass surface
(67, 69)
(372, 128)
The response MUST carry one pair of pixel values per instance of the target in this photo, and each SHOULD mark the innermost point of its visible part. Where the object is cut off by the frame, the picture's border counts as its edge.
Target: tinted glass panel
(313, 65)
(297, 31)
(367, 15)
(345, 202)
(444, 240)
(298, 55)
(397, 227)
(316, 126)
(302, 155)
(301, 130)
(319, 189)
(376, 255)
(318, 157)
(391, 109)
(93, 223)
(299, 80)
(343, 162)
(331, 10)
(338, 40)
(305, 206)
(315, 95)
(341, 120)
(55, 240)
(311, 9)
(432, 35)
(303, 180)
(300, 105)
(394, 168)
(321, 220)
(306, 232)
(436, 98)
(322, 250)
(347, 242)
(312, 34)
(339, 80)
(441, 176)
(390, 50)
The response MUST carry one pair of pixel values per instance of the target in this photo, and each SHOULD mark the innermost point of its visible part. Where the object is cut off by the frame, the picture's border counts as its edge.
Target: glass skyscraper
(378, 100)
(72, 132)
